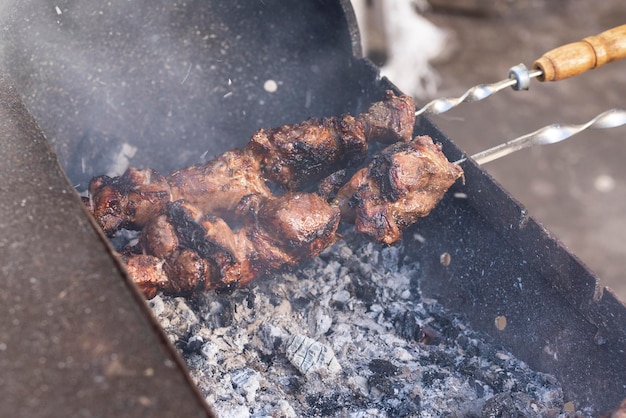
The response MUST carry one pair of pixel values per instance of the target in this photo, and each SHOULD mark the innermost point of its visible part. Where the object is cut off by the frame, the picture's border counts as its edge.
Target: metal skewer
(549, 135)
(560, 63)
(519, 79)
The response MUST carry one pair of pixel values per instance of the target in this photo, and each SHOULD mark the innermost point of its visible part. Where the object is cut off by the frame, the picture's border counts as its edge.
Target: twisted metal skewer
(549, 135)
(519, 79)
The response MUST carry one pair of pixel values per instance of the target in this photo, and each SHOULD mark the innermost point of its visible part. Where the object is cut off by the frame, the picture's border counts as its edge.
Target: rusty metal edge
(353, 28)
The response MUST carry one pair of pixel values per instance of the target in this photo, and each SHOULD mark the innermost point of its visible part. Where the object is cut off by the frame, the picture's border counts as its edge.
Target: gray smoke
(175, 80)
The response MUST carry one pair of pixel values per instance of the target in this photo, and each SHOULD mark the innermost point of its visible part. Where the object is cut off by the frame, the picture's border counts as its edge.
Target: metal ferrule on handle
(519, 79)
(563, 62)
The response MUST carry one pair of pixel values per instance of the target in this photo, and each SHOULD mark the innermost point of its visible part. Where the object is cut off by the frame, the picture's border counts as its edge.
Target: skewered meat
(293, 156)
(218, 186)
(218, 225)
(402, 184)
(390, 120)
(186, 250)
(128, 201)
(189, 251)
(137, 196)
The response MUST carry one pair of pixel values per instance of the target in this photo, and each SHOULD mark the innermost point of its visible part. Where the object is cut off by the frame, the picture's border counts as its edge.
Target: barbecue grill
(168, 84)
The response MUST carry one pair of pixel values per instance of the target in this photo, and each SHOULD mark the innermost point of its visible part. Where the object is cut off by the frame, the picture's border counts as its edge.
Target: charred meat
(293, 157)
(128, 201)
(401, 184)
(220, 224)
(187, 251)
(296, 155)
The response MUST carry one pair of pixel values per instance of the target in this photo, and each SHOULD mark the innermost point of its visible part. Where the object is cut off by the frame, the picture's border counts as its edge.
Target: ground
(577, 188)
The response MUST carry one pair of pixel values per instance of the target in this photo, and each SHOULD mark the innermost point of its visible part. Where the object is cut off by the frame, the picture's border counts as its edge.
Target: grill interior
(174, 84)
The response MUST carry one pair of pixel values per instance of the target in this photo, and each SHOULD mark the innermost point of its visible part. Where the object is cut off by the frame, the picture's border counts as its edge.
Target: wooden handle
(576, 58)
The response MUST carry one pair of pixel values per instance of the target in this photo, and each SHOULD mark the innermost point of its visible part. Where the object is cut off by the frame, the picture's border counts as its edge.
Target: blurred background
(576, 188)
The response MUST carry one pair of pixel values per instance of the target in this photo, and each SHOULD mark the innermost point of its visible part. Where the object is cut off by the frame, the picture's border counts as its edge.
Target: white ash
(348, 334)
(308, 355)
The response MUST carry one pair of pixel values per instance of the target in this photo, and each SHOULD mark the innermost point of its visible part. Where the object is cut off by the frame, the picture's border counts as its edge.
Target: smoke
(175, 80)
(99, 67)
(408, 40)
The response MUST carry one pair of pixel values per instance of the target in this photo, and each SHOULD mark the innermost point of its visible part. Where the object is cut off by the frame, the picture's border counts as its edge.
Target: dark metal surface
(74, 338)
(504, 263)
(176, 80)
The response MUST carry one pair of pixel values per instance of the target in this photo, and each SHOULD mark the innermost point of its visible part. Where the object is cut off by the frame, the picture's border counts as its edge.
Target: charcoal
(309, 343)
(383, 367)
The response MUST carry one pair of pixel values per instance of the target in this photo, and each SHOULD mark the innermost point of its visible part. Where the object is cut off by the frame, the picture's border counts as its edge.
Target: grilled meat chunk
(218, 225)
(389, 120)
(401, 184)
(194, 252)
(298, 225)
(182, 273)
(128, 201)
(218, 186)
(147, 273)
(159, 238)
(295, 156)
